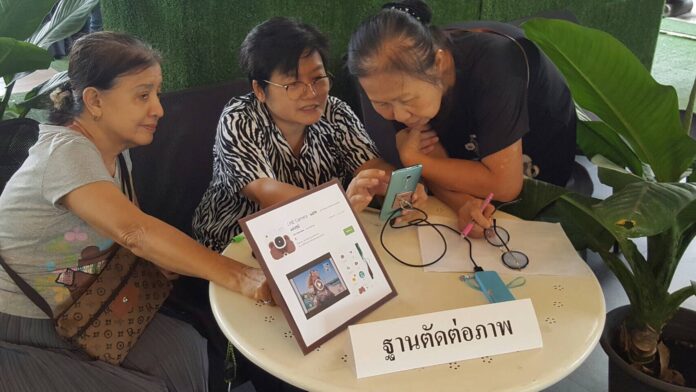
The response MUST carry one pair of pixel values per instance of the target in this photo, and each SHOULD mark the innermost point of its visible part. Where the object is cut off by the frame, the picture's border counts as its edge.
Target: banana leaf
(686, 227)
(68, 18)
(20, 18)
(19, 56)
(643, 209)
(535, 197)
(609, 81)
(689, 112)
(597, 138)
(547, 202)
(612, 175)
(38, 96)
(582, 230)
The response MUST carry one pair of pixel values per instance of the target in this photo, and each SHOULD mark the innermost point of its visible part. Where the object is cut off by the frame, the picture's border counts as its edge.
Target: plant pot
(623, 377)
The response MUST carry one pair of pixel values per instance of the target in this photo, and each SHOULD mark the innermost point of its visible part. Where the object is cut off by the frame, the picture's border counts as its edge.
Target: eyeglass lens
(515, 259)
(497, 236)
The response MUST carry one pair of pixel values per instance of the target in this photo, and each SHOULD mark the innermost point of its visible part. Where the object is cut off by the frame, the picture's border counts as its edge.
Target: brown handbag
(112, 312)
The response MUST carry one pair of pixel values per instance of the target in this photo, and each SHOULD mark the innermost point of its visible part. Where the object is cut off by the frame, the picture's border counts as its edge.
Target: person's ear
(93, 103)
(440, 62)
(258, 91)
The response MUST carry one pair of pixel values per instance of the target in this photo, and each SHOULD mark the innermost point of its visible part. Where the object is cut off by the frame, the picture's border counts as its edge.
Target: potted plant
(645, 154)
(25, 38)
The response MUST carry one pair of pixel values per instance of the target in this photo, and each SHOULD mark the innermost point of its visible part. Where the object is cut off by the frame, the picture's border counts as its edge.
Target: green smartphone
(400, 190)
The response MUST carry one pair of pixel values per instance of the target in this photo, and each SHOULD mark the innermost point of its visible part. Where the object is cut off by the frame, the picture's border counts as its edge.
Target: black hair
(277, 45)
(97, 60)
(398, 38)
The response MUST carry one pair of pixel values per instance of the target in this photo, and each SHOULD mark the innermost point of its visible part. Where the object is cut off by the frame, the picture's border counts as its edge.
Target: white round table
(570, 311)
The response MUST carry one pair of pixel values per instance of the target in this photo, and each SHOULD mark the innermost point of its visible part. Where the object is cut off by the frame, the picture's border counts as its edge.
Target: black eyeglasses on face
(298, 89)
(497, 236)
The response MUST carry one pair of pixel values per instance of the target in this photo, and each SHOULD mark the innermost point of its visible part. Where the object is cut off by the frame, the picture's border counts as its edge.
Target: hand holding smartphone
(400, 191)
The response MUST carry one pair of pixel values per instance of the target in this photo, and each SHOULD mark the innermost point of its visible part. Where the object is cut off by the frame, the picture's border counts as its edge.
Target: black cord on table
(419, 222)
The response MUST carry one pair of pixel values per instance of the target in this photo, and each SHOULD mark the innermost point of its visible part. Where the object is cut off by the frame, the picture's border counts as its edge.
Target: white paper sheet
(550, 252)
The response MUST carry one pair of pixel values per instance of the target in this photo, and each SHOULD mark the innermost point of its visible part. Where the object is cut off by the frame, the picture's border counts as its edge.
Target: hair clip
(57, 96)
(405, 9)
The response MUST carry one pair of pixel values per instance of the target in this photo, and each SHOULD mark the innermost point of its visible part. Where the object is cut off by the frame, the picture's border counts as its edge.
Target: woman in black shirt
(481, 105)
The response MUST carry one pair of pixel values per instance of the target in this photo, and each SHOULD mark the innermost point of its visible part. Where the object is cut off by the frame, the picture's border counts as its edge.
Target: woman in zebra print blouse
(285, 137)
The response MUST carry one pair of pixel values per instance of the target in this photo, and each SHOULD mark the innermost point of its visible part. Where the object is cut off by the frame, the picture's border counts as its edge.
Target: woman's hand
(414, 142)
(253, 284)
(471, 210)
(364, 186)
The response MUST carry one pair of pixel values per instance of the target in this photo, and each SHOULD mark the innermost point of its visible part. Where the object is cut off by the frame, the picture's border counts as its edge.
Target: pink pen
(470, 226)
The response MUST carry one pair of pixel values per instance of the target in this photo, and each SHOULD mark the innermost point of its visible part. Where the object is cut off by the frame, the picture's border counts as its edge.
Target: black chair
(170, 176)
(172, 173)
(16, 137)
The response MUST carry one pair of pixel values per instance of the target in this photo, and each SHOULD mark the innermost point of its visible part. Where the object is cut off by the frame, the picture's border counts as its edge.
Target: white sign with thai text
(453, 335)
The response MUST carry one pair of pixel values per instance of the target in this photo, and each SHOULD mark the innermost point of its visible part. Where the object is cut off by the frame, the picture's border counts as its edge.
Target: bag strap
(513, 39)
(126, 184)
(29, 291)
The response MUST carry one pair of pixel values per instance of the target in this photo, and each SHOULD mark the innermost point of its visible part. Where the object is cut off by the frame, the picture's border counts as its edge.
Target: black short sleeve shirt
(506, 90)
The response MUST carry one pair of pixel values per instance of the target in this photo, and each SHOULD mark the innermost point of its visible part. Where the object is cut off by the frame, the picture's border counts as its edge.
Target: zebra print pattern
(249, 146)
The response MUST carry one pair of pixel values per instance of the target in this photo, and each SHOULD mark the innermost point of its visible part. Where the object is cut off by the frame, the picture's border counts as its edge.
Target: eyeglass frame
(311, 86)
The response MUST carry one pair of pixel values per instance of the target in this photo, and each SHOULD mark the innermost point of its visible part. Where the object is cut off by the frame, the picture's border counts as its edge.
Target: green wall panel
(200, 38)
(633, 22)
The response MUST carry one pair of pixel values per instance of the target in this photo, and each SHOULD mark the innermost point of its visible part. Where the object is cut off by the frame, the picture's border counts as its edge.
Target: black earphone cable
(421, 222)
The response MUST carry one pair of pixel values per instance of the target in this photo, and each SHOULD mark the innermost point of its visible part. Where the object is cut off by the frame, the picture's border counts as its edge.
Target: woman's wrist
(411, 158)
(229, 274)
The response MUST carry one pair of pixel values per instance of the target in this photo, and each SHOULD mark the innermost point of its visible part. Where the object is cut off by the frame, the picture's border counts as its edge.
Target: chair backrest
(172, 173)
(16, 136)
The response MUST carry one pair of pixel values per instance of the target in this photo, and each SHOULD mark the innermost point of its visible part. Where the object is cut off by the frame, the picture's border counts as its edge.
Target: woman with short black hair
(481, 105)
(286, 136)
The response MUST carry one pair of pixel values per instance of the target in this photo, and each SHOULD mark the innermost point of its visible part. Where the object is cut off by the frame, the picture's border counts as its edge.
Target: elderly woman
(66, 204)
(479, 104)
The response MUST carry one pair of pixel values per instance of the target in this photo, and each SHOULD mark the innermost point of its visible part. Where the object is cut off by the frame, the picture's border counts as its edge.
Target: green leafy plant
(645, 154)
(25, 38)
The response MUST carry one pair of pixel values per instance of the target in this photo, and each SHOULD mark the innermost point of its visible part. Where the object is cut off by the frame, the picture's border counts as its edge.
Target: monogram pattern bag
(107, 319)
